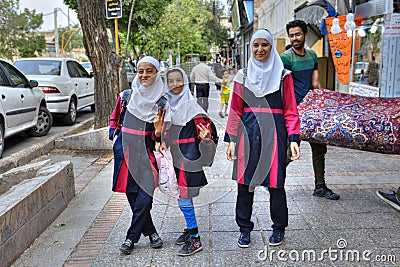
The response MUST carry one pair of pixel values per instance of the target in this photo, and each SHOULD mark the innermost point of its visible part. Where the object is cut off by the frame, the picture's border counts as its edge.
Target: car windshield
(39, 67)
(86, 65)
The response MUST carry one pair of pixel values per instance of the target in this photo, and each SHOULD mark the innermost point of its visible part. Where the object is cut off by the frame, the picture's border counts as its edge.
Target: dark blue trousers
(142, 223)
(278, 208)
(202, 94)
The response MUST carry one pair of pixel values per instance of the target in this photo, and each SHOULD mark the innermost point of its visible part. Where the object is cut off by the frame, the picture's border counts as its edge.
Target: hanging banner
(340, 45)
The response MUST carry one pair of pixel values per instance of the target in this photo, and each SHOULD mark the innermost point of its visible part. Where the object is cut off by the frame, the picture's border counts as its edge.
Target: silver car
(67, 85)
(22, 107)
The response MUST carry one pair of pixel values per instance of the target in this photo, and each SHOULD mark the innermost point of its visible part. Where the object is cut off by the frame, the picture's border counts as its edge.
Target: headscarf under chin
(263, 78)
(143, 102)
(183, 106)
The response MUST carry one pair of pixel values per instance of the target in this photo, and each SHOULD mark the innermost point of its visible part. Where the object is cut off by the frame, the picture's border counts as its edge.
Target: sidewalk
(91, 228)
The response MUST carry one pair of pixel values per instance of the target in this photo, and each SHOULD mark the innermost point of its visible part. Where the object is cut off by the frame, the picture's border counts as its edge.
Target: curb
(37, 150)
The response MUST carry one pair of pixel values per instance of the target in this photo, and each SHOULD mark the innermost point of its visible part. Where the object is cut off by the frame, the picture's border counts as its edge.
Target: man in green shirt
(304, 66)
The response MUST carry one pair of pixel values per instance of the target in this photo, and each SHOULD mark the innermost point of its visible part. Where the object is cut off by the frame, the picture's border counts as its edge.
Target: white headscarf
(183, 106)
(143, 102)
(263, 78)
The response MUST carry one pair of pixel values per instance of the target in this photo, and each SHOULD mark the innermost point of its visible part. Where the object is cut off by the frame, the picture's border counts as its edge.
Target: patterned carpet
(351, 121)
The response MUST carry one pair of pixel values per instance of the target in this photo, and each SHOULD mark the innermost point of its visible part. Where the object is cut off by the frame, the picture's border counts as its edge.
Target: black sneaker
(127, 246)
(155, 240)
(183, 238)
(391, 199)
(221, 114)
(244, 240)
(191, 247)
(326, 193)
(276, 238)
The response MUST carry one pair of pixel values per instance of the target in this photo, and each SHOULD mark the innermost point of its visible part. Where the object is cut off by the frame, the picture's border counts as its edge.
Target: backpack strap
(126, 96)
(285, 72)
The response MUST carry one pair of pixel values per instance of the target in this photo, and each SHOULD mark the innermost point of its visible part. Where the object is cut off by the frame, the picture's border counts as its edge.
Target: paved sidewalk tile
(357, 230)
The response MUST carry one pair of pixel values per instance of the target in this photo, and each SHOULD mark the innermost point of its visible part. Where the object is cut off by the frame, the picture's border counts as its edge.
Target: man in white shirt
(202, 75)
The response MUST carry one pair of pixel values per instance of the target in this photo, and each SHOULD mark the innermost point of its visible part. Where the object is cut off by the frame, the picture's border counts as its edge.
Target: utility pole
(56, 33)
(70, 42)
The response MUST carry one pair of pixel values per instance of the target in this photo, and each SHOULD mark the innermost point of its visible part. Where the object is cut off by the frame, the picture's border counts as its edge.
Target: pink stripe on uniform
(184, 141)
(264, 110)
(135, 132)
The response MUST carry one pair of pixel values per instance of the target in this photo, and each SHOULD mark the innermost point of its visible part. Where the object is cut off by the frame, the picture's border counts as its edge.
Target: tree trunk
(91, 15)
(123, 78)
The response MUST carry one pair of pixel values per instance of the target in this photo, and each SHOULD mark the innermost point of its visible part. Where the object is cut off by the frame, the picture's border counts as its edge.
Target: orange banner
(340, 45)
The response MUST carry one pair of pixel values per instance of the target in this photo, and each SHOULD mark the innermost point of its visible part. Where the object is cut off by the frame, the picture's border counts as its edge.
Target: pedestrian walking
(303, 63)
(224, 93)
(263, 116)
(202, 75)
(190, 139)
(141, 129)
(218, 71)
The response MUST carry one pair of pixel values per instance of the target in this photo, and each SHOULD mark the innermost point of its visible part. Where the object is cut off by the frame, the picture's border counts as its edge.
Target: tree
(91, 14)
(18, 31)
(194, 23)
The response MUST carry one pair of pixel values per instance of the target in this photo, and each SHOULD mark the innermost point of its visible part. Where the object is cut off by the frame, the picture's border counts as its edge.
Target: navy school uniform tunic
(260, 126)
(138, 140)
(185, 149)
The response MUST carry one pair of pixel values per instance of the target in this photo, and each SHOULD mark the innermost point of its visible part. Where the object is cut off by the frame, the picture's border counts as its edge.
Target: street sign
(113, 9)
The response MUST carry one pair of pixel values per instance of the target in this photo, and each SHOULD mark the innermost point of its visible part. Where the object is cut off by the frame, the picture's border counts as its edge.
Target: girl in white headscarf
(143, 124)
(263, 117)
(192, 140)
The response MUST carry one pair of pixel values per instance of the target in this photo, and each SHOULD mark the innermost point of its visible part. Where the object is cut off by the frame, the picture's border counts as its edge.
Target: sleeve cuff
(294, 138)
(111, 133)
(229, 138)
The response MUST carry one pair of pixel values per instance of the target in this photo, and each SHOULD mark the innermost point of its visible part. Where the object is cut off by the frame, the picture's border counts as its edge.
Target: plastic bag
(167, 181)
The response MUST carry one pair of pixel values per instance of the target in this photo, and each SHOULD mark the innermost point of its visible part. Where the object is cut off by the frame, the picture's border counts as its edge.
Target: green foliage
(193, 23)
(158, 25)
(18, 31)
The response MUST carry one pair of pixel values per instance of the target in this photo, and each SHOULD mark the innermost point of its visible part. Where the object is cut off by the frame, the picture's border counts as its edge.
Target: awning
(313, 13)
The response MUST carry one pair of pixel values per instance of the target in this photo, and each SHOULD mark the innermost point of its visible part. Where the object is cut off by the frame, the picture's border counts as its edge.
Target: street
(21, 141)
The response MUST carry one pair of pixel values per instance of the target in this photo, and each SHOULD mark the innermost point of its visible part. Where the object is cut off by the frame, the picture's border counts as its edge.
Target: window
(72, 70)
(39, 67)
(367, 52)
(3, 79)
(83, 73)
(15, 76)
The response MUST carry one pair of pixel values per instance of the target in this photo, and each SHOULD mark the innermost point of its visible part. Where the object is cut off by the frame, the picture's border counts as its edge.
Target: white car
(23, 105)
(67, 85)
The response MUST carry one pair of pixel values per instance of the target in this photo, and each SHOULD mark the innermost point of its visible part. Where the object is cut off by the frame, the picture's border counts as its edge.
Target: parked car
(67, 85)
(23, 105)
(129, 69)
(164, 67)
(130, 72)
(88, 67)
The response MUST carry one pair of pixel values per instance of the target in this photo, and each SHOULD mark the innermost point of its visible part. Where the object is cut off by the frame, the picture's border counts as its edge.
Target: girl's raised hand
(205, 132)
(159, 122)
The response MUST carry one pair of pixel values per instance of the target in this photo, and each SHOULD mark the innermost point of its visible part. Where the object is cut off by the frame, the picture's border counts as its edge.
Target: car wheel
(44, 123)
(93, 108)
(1, 139)
(70, 118)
